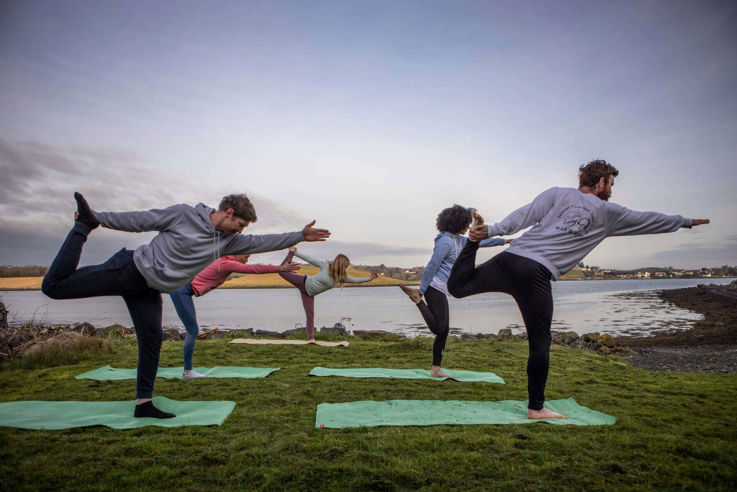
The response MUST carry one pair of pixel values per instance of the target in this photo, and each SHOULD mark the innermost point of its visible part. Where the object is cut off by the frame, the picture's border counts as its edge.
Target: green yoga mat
(108, 373)
(438, 412)
(380, 372)
(52, 415)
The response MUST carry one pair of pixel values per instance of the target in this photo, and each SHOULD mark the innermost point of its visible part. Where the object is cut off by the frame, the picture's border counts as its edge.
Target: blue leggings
(182, 300)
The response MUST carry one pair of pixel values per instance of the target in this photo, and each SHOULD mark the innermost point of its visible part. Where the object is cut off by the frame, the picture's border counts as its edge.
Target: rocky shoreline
(710, 346)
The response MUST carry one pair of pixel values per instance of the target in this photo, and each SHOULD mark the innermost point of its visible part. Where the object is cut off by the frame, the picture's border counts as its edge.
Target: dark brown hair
(591, 173)
(241, 205)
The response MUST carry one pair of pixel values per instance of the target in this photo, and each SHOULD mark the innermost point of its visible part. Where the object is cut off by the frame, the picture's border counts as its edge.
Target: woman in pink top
(211, 278)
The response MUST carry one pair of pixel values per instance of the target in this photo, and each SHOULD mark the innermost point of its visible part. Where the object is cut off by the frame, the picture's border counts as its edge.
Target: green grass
(674, 430)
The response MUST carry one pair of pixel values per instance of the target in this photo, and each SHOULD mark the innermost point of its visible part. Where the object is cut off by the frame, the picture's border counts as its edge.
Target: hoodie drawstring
(216, 248)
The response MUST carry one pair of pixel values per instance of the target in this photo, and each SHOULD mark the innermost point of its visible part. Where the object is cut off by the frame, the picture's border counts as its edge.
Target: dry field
(274, 280)
(21, 283)
(244, 282)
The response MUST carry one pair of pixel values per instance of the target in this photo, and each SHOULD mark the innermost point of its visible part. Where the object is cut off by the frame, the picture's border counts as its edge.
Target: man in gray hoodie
(567, 223)
(189, 239)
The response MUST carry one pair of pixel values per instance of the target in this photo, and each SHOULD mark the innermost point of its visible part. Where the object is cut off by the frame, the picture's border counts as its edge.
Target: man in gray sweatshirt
(189, 239)
(567, 223)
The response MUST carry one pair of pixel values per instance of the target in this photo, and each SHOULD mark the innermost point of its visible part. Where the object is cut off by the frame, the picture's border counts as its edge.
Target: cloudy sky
(369, 116)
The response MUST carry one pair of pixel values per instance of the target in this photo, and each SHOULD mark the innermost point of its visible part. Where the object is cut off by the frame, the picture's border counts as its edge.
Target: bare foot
(545, 413)
(413, 294)
(436, 372)
(311, 340)
(477, 219)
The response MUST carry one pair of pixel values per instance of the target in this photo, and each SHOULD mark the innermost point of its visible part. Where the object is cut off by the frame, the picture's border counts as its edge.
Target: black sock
(149, 410)
(85, 213)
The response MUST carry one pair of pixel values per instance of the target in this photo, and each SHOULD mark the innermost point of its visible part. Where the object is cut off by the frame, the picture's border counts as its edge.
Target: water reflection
(613, 306)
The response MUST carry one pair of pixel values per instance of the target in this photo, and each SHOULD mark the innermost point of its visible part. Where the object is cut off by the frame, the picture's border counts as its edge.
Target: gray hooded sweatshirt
(187, 242)
(567, 224)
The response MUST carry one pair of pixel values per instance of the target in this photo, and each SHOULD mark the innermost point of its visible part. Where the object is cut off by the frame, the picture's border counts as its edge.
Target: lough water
(606, 306)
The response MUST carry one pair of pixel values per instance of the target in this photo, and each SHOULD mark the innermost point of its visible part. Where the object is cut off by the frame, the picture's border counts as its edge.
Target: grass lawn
(674, 430)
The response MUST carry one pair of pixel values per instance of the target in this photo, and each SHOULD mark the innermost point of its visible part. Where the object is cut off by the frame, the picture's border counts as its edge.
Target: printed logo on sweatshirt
(576, 220)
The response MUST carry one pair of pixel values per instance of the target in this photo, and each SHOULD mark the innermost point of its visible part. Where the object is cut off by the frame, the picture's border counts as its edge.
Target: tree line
(23, 271)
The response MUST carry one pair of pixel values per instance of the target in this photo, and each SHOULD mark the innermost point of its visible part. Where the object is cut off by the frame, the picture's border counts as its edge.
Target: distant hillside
(274, 280)
(574, 274)
(23, 271)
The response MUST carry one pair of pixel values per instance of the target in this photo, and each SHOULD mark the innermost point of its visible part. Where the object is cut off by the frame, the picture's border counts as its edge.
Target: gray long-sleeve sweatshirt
(567, 224)
(187, 242)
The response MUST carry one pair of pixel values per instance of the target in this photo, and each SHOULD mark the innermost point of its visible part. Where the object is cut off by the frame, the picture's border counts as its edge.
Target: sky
(367, 116)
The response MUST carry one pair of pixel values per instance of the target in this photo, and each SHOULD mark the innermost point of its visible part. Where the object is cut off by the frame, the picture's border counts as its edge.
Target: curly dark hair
(591, 173)
(241, 205)
(453, 219)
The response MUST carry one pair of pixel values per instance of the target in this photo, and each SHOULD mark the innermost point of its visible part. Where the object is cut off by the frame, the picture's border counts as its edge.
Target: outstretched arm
(311, 234)
(522, 218)
(311, 260)
(251, 243)
(698, 222)
(226, 264)
(142, 220)
(626, 222)
(351, 280)
(259, 269)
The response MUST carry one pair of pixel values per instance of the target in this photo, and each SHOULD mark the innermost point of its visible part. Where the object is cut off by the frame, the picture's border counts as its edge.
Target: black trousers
(528, 282)
(118, 276)
(436, 315)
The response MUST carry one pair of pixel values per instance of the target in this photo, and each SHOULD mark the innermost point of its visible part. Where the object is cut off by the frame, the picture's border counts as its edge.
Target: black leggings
(118, 276)
(529, 283)
(437, 318)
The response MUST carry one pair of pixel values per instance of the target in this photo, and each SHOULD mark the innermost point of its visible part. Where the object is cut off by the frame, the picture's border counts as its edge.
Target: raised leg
(117, 276)
(466, 279)
(288, 258)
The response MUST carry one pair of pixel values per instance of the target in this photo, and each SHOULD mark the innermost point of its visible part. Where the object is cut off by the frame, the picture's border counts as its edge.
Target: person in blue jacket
(451, 223)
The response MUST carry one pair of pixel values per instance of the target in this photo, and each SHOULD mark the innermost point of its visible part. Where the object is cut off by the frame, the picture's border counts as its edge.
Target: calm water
(606, 306)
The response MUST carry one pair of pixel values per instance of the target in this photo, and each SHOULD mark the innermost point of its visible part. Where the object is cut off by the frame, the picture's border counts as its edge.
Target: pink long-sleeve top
(217, 272)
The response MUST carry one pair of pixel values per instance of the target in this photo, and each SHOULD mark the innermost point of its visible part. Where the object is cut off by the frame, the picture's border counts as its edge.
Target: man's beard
(604, 195)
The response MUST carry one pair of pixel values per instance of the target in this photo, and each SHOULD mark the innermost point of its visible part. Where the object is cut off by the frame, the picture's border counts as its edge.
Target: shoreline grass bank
(674, 430)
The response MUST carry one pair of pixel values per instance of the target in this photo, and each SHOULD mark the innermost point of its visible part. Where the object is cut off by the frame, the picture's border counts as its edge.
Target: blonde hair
(337, 269)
